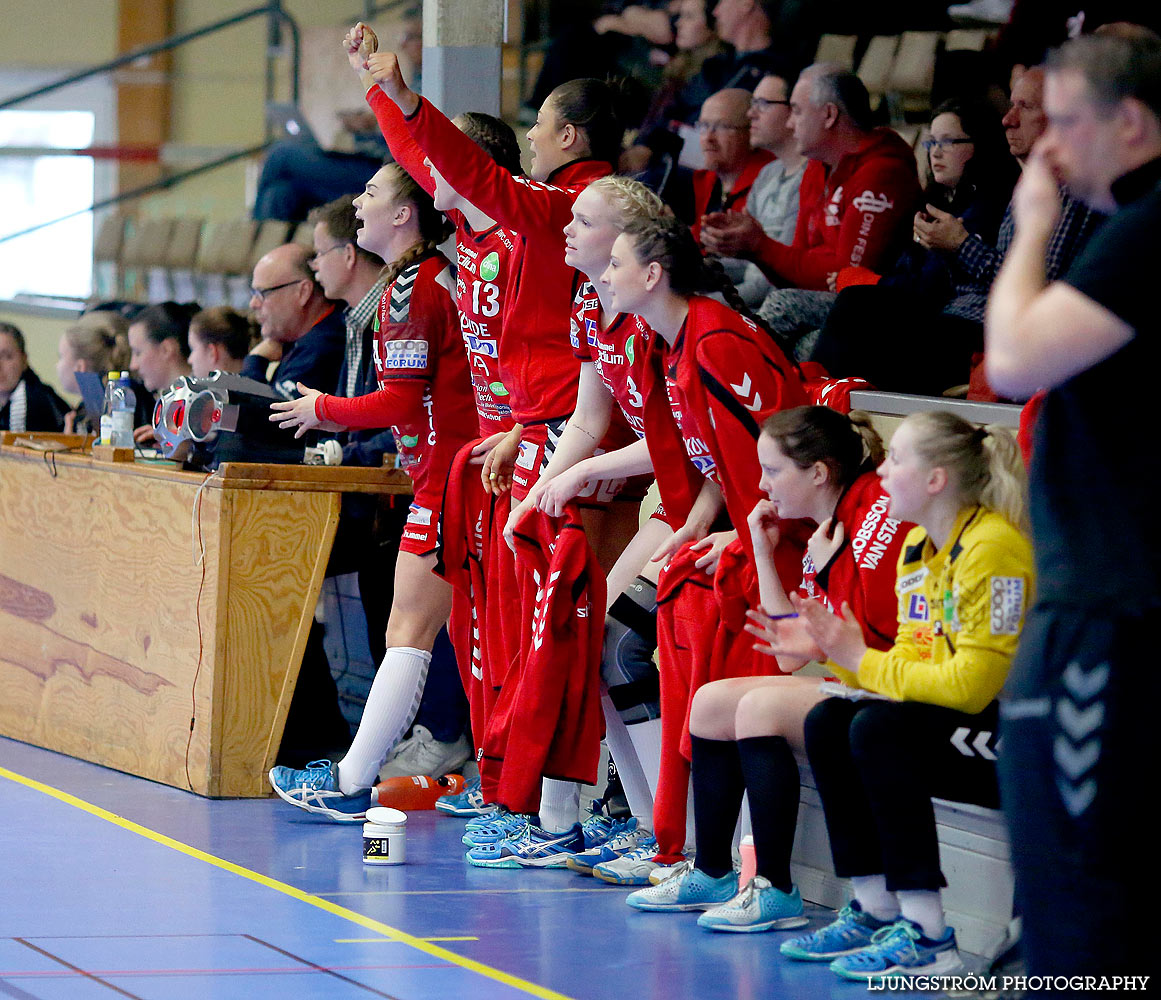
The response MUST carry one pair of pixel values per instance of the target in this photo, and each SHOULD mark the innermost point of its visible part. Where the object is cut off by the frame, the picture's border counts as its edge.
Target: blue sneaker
(531, 848)
(900, 949)
(687, 889)
(621, 841)
(850, 931)
(489, 815)
(316, 789)
(469, 802)
(758, 907)
(507, 824)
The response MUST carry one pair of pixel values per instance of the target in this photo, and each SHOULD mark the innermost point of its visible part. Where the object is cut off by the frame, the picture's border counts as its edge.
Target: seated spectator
(731, 165)
(159, 343)
(301, 328)
(695, 41)
(965, 582)
(159, 350)
(97, 343)
(616, 43)
(773, 197)
(894, 330)
(219, 340)
(26, 403)
(1024, 123)
(857, 195)
(350, 274)
(298, 174)
(816, 464)
(756, 49)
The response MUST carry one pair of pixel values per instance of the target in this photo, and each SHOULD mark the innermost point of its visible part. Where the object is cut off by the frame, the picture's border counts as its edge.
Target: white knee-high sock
(559, 804)
(925, 907)
(874, 897)
(623, 749)
(391, 706)
(646, 737)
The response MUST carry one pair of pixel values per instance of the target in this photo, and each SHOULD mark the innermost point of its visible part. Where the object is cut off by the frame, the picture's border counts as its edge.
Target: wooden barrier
(122, 644)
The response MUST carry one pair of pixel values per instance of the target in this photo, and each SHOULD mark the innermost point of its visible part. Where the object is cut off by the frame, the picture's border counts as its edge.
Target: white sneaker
(420, 753)
(662, 872)
(629, 869)
(982, 11)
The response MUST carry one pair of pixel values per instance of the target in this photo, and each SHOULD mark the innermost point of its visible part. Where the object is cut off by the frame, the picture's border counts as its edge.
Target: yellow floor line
(381, 940)
(387, 931)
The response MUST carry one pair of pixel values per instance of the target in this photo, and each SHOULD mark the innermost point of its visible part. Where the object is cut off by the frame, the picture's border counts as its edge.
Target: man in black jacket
(301, 328)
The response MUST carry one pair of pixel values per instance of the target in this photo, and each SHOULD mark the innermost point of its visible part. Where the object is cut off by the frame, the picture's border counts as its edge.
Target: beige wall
(218, 82)
(218, 86)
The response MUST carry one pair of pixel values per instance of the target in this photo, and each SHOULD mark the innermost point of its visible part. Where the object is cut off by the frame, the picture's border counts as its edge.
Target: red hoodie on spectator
(705, 182)
(850, 216)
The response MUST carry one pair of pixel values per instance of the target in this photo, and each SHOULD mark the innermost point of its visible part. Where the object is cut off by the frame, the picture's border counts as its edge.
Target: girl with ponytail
(709, 379)
(576, 139)
(97, 342)
(816, 464)
(965, 579)
(425, 398)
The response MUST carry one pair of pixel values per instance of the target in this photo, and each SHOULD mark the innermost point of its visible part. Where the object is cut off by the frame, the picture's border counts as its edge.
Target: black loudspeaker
(203, 422)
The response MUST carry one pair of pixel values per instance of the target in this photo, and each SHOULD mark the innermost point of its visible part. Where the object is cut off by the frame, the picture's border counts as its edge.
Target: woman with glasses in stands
(915, 328)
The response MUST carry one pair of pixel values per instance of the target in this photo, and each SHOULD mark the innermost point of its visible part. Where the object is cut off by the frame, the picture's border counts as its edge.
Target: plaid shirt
(980, 263)
(356, 319)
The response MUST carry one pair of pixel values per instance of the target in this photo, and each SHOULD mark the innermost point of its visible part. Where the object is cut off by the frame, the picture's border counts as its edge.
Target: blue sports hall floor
(117, 886)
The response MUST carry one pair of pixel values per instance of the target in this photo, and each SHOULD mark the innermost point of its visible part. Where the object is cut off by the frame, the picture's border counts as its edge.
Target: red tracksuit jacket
(425, 393)
(486, 265)
(540, 370)
(851, 216)
(548, 721)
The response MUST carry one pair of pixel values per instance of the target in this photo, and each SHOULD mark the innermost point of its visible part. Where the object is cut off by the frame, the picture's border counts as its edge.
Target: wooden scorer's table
(114, 633)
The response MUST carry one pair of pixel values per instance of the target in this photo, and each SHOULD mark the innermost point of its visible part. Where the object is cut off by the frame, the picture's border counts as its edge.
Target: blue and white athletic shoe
(487, 817)
(469, 802)
(531, 848)
(849, 932)
(632, 867)
(687, 889)
(620, 842)
(758, 907)
(900, 949)
(316, 789)
(504, 825)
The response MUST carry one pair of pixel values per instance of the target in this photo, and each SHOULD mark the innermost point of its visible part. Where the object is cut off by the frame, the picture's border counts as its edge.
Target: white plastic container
(384, 836)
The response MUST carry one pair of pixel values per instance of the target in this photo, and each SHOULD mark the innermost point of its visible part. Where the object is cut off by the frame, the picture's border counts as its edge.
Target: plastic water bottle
(120, 407)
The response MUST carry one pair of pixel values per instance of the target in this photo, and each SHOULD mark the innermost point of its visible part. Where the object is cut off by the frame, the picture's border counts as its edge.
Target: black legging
(877, 765)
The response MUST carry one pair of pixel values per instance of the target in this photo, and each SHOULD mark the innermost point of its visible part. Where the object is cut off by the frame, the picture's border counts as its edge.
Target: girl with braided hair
(425, 396)
(710, 377)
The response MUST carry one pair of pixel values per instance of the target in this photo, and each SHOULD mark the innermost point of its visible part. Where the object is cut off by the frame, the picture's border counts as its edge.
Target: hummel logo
(743, 391)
